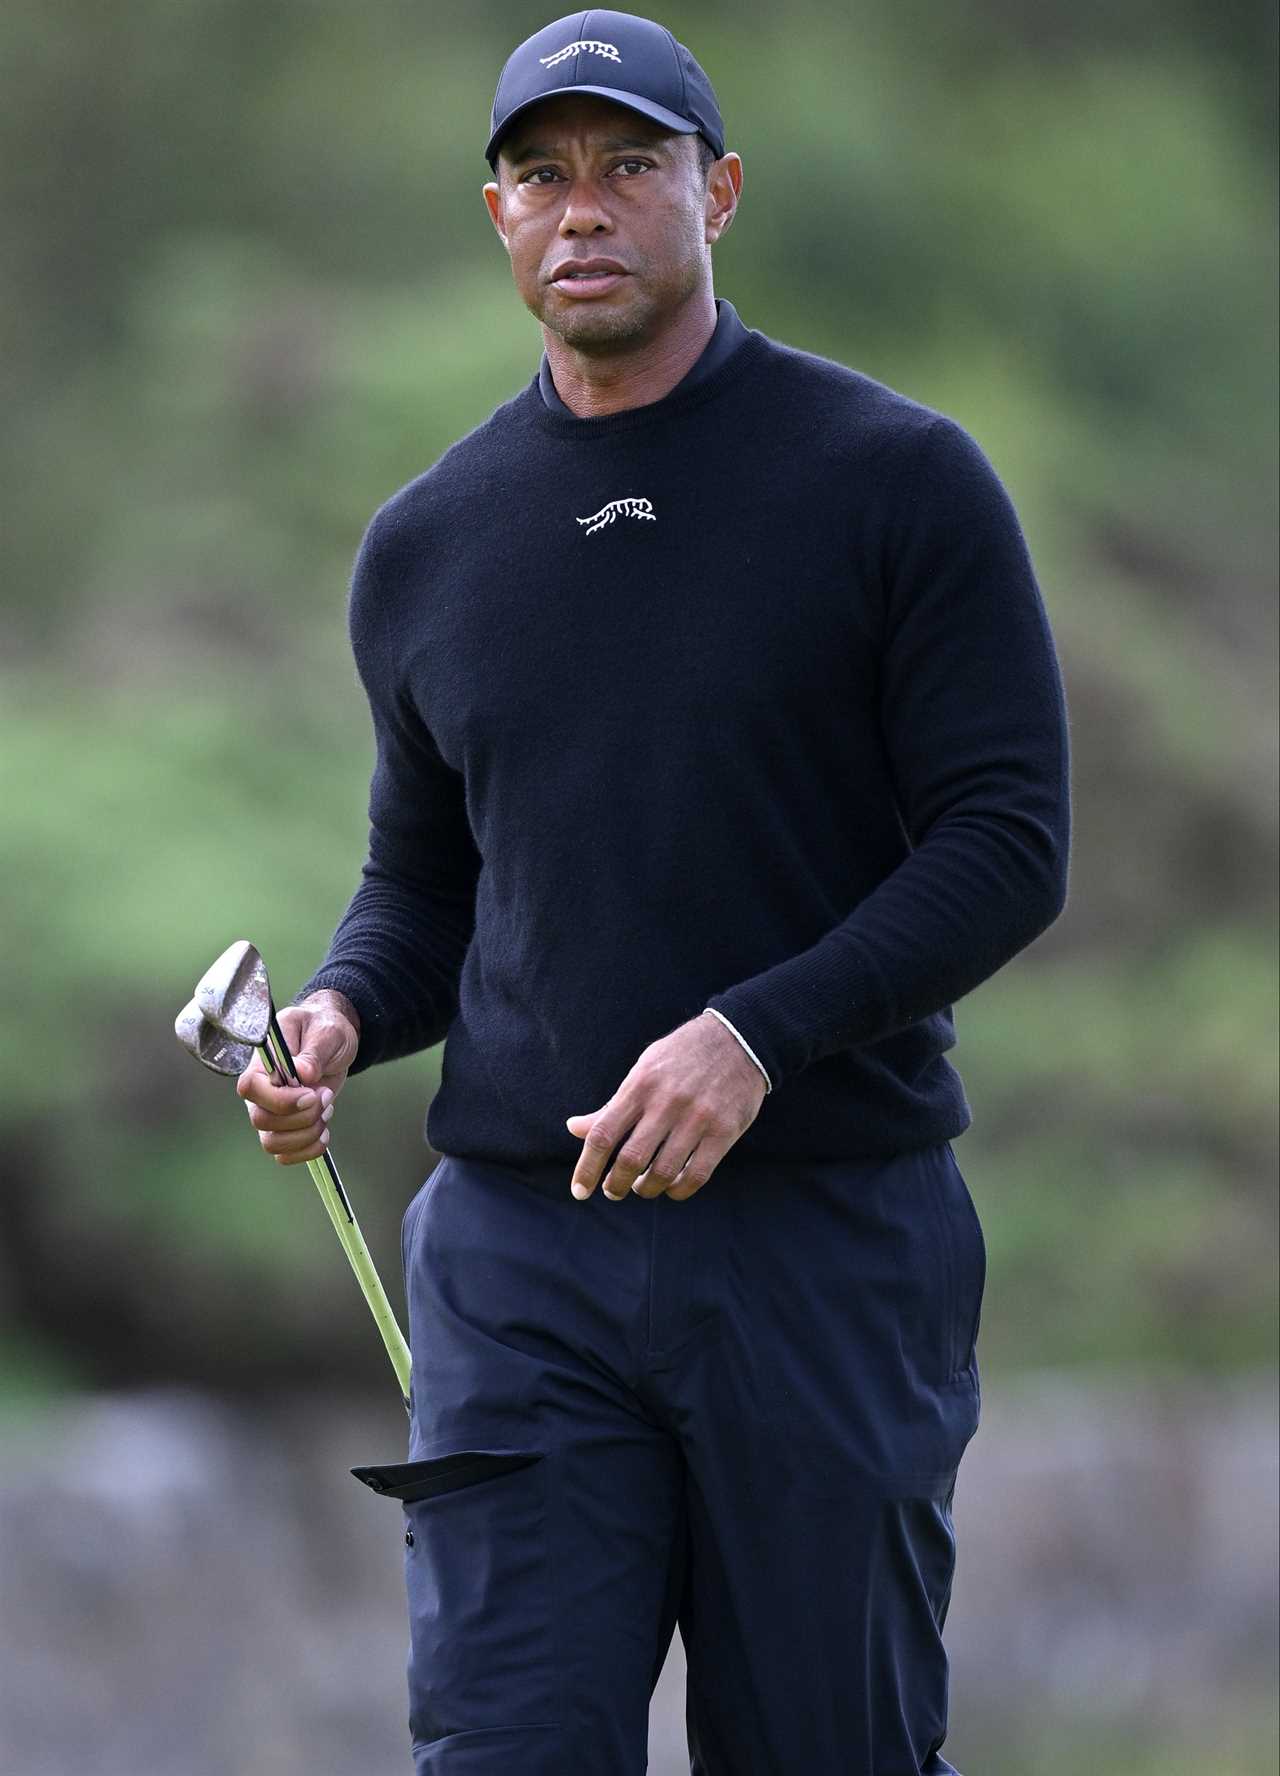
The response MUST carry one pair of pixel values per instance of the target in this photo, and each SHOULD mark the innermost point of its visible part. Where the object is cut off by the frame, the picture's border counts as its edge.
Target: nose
(584, 210)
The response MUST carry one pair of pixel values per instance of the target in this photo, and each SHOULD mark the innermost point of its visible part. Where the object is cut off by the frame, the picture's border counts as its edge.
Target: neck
(591, 386)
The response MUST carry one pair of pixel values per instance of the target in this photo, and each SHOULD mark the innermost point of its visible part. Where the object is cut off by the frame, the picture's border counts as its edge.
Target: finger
(304, 1143)
(302, 1155)
(596, 1148)
(281, 1100)
(289, 1122)
(690, 1181)
(665, 1167)
(635, 1154)
(602, 1137)
(698, 1168)
(293, 1020)
(315, 1063)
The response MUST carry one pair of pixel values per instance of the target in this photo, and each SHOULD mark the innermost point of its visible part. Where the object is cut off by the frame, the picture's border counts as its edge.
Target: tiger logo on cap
(583, 46)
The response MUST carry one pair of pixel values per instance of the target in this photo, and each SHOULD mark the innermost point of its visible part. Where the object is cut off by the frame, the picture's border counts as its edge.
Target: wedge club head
(209, 1046)
(234, 994)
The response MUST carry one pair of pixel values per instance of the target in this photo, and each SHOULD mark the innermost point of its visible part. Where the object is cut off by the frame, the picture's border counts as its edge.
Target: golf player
(720, 747)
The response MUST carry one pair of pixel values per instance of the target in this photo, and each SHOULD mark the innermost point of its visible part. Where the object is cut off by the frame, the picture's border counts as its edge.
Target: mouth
(587, 277)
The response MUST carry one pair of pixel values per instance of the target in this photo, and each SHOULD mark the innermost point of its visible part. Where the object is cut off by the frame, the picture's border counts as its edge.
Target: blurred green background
(251, 290)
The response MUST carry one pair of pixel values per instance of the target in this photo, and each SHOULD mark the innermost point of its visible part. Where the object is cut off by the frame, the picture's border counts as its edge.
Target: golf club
(221, 1055)
(234, 995)
(229, 1018)
(210, 1047)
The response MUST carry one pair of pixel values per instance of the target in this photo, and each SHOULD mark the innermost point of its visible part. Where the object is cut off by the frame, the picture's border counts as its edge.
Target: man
(721, 746)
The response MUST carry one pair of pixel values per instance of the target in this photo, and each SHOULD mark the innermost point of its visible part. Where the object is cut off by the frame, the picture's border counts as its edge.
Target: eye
(535, 176)
(634, 166)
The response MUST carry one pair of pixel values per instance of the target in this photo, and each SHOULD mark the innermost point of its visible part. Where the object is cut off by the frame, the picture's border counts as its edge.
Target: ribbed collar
(705, 376)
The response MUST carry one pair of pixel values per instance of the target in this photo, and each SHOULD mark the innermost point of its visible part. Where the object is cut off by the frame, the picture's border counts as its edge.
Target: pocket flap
(412, 1481)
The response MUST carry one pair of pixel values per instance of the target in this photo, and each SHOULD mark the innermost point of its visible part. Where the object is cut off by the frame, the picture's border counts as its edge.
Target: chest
(604, 603)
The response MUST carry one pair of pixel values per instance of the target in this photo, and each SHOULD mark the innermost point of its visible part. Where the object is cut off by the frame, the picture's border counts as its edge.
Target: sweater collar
(729, 334)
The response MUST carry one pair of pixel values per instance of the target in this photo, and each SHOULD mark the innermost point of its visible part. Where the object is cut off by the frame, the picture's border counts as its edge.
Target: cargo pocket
(478, 1580)
(411, 1481)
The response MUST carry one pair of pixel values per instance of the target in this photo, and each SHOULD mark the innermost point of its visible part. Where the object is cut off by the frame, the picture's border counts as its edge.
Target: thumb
(323, 1052)
(309, 1066)
(586, 1120)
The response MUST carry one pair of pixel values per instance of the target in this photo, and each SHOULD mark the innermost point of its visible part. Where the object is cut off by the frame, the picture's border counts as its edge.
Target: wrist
(743, 1044)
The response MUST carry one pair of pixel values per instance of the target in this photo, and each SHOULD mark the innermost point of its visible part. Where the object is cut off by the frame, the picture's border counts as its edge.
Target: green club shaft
(278, 1061)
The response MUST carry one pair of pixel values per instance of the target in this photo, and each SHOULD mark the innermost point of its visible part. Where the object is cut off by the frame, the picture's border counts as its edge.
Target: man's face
(582, 179)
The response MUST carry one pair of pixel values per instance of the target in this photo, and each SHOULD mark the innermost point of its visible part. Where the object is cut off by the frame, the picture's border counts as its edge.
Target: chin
(596, 327)
(602, 325)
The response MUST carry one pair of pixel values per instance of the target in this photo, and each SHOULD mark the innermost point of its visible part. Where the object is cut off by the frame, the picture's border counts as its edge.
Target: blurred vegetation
(1238, 1741)
(252, 290)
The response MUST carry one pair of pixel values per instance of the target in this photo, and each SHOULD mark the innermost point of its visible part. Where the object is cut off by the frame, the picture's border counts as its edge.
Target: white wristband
(755, 1057)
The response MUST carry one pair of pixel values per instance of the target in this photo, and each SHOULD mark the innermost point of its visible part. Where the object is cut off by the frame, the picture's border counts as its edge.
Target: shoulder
(415, 524)
(916, 478)
(472, 469)
(836, 410)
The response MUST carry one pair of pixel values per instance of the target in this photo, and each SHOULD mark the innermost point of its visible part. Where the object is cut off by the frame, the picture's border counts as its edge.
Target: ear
(724, 187)
(493, 203)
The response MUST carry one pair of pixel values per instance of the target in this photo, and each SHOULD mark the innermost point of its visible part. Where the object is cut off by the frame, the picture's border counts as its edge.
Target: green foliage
(258, 292)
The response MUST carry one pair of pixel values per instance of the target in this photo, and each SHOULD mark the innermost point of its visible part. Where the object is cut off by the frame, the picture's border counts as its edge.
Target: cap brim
(629, 102)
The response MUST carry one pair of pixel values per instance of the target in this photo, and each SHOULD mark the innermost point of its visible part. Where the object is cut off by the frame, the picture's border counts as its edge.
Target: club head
(234, 994)
(210, 1047)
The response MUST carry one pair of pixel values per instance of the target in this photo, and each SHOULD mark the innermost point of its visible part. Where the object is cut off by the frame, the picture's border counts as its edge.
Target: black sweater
(745, 699)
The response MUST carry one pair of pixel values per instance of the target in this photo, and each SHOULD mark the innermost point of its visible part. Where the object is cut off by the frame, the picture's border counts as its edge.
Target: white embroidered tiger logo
(584, 46)
(626, 508)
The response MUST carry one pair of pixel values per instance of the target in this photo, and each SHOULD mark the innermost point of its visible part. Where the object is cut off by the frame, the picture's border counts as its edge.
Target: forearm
(952, 914)
(397, 958)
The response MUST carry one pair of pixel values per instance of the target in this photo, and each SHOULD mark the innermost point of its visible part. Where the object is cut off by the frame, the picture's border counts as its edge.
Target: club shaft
(285, 1059)
(278, 1061)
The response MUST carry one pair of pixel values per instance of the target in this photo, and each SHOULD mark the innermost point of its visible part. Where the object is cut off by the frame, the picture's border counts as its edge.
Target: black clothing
(747, 699)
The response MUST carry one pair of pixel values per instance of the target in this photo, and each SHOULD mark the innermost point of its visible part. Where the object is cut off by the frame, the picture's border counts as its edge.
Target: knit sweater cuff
(793, 1014)
(710, 1011)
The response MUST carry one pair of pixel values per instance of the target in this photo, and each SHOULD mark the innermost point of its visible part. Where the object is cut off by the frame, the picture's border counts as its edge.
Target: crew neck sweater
(743, 700)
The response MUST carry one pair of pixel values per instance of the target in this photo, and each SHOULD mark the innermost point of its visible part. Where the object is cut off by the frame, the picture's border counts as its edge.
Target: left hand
(688, 1098)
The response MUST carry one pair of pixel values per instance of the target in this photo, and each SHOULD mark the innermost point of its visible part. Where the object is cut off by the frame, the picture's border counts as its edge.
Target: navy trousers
(743, 1413)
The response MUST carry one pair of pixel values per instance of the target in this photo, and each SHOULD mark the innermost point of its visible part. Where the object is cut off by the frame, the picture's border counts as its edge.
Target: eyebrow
(611, 145)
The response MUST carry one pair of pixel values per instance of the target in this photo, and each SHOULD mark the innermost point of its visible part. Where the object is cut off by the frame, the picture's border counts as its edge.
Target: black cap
(631, 60)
